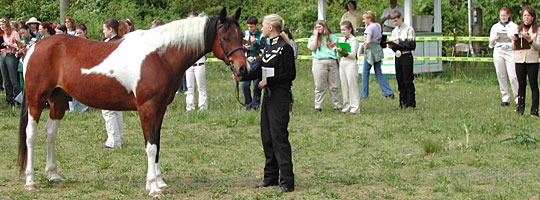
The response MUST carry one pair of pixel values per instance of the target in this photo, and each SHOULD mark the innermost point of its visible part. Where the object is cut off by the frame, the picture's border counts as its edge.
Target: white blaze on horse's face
(124, 63)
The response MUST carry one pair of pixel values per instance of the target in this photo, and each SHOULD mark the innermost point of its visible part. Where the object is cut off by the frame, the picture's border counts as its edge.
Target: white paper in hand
(267, 72)
(503, 36)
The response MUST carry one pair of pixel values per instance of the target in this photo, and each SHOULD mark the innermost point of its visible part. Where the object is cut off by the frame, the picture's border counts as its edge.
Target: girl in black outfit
(278, 56)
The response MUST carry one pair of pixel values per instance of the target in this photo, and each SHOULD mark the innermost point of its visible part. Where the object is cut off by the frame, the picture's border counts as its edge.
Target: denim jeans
(385, 87)
(10, 76)
(246, 88)
(76, 106)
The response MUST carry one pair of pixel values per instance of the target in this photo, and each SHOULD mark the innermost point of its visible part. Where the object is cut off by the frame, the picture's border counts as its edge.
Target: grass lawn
(458, 144)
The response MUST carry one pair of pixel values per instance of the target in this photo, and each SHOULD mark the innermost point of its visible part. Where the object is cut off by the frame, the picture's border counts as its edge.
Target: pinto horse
(140, 72)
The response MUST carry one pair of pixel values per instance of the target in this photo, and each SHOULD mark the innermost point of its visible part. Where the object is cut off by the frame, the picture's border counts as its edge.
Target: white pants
(196, 73)
(326, 72)
(114, 123)
(505, 68)
(348, 74)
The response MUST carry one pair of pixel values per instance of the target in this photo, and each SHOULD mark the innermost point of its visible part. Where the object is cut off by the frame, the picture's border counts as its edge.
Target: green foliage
(431, 146)
(299, 15)
(522, 139)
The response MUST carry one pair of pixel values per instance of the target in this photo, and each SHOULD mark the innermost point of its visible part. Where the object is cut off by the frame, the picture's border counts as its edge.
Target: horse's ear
(236, 15)
(223, 15)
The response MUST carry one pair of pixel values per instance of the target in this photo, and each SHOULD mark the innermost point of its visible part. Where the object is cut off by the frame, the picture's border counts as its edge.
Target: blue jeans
(385, 87)
(256, 91)
(10, 76)
(76, 106)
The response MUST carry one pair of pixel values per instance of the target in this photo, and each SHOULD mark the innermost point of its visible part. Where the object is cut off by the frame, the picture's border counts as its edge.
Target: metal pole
(321, 10)
(469, 14)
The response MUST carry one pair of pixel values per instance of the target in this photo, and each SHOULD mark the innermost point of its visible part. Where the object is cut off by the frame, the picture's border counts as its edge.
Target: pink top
(11, 42)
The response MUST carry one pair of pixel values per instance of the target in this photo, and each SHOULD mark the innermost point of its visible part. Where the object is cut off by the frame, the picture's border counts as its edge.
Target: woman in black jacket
(276, 74)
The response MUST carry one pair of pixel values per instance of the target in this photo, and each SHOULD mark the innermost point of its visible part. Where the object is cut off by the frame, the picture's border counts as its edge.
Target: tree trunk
(64, 5)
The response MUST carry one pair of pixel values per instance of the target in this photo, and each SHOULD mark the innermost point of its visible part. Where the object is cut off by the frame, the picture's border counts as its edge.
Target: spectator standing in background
(114, 121)
(352, 15)
(69, 22)
(196, 73)
(325, 67)
(386, 19)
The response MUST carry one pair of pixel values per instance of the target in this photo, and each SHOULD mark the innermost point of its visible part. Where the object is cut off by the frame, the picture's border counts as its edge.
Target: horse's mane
(196, 33)
(185, 33)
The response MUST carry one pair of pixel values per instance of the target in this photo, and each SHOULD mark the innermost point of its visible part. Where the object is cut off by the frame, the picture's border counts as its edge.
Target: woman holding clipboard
(500, 39)
(347, 47)
(526, 46)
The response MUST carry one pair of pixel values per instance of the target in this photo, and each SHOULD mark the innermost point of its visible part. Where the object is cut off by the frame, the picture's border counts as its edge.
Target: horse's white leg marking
(161, 184)
(31, 136)
(151, 183)
(51, 128)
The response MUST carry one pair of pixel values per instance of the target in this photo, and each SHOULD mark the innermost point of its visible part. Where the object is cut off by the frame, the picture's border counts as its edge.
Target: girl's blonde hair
(278, 23)
(369, 15)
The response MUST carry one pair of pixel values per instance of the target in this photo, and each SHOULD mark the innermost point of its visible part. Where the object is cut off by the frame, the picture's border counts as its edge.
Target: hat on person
(33, 20)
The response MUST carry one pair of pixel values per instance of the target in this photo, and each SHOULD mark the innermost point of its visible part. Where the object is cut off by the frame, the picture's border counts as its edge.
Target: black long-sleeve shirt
(280, 56)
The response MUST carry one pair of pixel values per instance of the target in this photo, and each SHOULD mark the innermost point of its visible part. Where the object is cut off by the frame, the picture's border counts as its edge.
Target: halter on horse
(140, 72)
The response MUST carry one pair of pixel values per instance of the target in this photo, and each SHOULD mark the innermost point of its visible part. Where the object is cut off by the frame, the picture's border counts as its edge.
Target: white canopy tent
(437, 13)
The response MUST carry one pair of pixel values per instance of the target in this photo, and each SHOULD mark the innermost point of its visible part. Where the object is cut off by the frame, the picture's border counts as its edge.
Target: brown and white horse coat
(140, 72)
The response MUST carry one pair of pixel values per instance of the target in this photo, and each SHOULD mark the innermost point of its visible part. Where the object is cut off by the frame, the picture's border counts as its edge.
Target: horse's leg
(151, 115)
(161, 184)
(59, 104)
(34, 112)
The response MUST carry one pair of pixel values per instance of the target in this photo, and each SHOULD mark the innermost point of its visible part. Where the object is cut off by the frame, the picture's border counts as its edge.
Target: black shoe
(505, 104)
(391, 96)
(284, 189)
(263, 184)
(520, 109)
(534, 112)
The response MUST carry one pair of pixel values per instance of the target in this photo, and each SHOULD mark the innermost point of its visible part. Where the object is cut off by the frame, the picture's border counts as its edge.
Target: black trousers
(524, 70)
(405, 77)
(275, 137)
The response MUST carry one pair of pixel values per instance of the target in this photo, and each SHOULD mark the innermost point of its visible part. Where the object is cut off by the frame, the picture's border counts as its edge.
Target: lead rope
(238, 97)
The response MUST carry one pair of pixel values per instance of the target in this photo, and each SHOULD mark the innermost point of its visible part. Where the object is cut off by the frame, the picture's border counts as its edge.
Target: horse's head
(228, 43)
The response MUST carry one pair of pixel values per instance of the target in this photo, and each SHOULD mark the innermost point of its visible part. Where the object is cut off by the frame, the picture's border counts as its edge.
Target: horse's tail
(23, 122)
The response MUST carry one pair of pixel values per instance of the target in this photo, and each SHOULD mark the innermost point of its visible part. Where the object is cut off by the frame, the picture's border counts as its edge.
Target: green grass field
(458, 144)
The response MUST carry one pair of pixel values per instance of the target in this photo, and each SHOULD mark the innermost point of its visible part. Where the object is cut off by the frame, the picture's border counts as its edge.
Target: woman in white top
(500, 39)
(348, 70)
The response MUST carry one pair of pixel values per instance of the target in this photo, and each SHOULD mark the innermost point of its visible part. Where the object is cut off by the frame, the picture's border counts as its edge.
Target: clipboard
(521, 44)
(267, 72)
(392, 43)
(503, 37)
(344, 46)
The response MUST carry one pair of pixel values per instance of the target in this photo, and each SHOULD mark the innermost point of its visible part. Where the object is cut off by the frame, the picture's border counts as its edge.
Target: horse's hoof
(30, 187)
(163, 186)
(156, 194)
